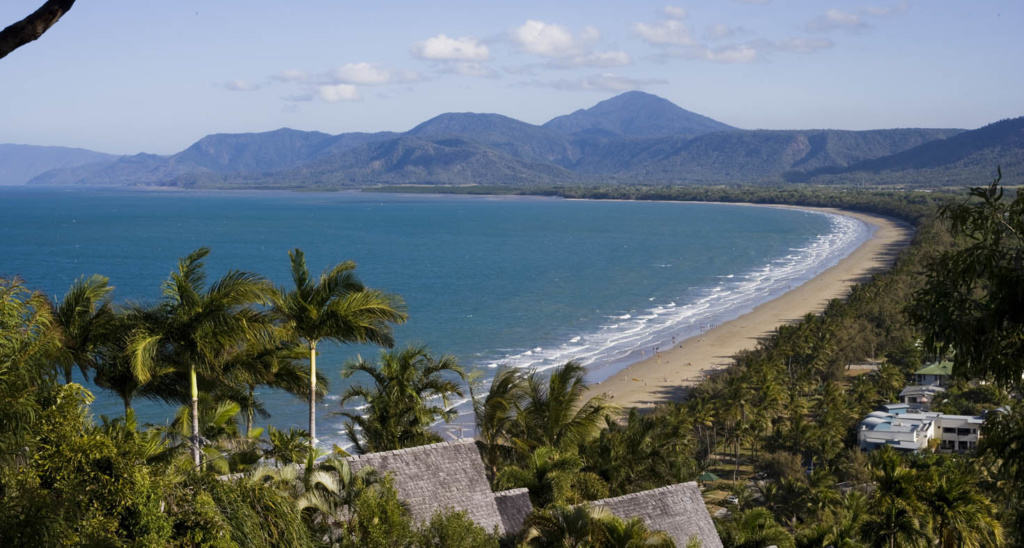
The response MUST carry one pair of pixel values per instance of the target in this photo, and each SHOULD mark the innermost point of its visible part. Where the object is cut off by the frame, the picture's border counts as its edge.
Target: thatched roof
(441, 476)
(677, 509)
(513, 505)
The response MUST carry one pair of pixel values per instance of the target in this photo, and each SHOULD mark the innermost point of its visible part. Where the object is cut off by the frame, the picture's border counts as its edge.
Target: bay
(520, 281)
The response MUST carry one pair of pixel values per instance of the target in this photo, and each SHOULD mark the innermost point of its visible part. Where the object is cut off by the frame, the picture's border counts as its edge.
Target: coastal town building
(898, 426)
(920, 397)
(937, 374)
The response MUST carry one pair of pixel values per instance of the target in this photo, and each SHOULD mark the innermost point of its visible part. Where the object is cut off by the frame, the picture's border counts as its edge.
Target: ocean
(518, 281)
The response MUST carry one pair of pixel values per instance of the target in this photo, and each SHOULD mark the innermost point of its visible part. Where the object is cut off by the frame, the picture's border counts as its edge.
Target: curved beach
(664, 376)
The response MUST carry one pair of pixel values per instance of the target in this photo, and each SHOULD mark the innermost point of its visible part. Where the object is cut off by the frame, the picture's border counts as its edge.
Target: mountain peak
(637, 114)
(460, 123)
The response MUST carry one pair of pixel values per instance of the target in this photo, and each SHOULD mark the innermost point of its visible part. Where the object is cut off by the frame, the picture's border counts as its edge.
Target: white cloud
(801, 45)
(732, 54)
(670, 32)
(550, 40)
(443, 48)
(589, 35)
(721, 32)
(240, 85)
(674, 12)
(360, 73)
(467, 68)
(836, 19)
(338, 92)
(290, 75)
(597, 82)
(601, 59)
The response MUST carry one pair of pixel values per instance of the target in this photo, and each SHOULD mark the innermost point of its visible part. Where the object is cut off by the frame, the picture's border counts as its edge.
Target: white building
(920, 397)
(901, 428)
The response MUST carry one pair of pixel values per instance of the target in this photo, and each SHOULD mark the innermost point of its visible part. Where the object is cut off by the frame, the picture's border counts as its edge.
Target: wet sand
(665, 376)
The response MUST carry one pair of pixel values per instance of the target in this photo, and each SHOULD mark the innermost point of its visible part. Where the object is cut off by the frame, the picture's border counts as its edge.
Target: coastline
(664, 376)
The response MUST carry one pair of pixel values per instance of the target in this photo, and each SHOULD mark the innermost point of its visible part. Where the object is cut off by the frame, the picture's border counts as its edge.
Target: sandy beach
(662, 377)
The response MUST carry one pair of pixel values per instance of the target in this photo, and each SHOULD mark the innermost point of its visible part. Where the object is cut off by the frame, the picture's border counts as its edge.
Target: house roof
(676, 509)
(940, 368)
(918, 390)
(441, 476)
(514, 506)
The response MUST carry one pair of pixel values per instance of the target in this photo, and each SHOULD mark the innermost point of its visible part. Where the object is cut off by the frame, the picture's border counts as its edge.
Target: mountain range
(634, 137)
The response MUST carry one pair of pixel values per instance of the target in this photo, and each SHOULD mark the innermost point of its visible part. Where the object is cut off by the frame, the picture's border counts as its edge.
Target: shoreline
(665, 376)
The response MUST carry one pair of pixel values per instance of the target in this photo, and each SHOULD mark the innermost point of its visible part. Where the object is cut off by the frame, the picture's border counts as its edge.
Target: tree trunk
(33, 26)
(249, 412)
(312, 396)
(127, 406)
(195, 416)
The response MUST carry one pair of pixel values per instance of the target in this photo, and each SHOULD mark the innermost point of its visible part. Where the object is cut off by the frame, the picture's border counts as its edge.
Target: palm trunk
(127, 406)
(312, 396)
(195, 416)
(249, 412)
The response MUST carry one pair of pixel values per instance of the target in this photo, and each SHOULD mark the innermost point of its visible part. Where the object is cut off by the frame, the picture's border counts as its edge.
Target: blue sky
(128, 76)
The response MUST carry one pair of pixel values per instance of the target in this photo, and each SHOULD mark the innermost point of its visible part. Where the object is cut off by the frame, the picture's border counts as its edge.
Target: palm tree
(895, 506)
(753, 529)
(495, 414)
(645, 452)
(225, 448)
(583, 526)
(275, 365)
(200, 327)
(619, 533)
(553, 412)
(564, 527)
(287, 446)
(82, 318)
(553, 477)
(960, 514)
(336, 307)
(402, 402)
(26, 343)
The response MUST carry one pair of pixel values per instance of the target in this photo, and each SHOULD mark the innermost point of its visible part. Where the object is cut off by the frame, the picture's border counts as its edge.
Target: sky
(124, 76)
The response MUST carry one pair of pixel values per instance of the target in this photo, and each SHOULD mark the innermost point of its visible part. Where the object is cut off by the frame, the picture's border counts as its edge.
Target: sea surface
(495, 281)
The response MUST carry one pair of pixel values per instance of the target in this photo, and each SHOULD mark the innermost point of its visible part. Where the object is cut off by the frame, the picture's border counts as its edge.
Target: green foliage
(973, 302)
(585, 527)
(399, 403)
(287, 446)
(754, 529)
(379, 519)
(80, 487)
(83, 318)
(216, 512)
(336, 307)
(454, 530)
(962, 398)
(553, 478)
(553, 411)
(645, 452)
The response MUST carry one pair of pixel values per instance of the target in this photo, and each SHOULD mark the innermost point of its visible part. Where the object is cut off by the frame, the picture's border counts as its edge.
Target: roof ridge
(416, 449)
(510, 492)
(664, 488)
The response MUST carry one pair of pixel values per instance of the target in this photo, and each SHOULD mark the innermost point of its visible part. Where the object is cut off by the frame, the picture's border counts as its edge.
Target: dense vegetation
(780, 425)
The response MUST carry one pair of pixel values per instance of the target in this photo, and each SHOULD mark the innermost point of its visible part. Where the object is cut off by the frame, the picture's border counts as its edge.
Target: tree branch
(33, 26)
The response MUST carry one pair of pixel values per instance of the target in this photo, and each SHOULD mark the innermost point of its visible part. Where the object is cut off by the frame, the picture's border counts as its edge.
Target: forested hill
(633, 138)
(962, 159)
(20, 163)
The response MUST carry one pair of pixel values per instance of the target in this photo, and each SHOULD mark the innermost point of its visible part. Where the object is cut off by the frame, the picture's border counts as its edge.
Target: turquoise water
(527, 282)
